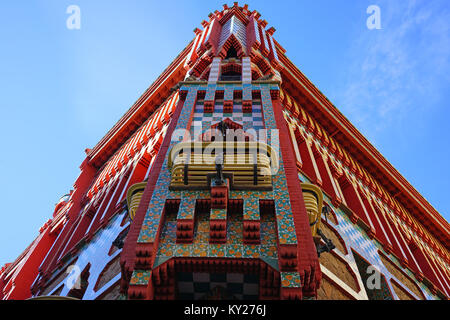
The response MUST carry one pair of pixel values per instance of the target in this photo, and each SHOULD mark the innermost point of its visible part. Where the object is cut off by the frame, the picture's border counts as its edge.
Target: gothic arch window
(232, 53)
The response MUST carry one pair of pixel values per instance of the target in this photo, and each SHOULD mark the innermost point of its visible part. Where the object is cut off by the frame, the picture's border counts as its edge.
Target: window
(232, 53)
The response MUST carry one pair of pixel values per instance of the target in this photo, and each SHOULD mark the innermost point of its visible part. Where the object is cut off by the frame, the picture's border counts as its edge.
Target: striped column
(214, 72)
(246, 70)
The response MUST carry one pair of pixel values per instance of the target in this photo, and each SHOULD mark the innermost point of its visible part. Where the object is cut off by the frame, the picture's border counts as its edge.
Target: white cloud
(400, 69)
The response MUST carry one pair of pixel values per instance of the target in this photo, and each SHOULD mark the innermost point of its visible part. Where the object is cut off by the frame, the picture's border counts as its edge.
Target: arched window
(232, 53)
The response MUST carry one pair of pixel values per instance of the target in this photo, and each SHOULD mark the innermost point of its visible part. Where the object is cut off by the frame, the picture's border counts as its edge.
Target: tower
(234, 177)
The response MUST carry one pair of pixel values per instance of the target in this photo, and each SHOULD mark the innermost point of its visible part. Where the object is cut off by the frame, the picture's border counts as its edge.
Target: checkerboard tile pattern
(234, 286)
(249, 121)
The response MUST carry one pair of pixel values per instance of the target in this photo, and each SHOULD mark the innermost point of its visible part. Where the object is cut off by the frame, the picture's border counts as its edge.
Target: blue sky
(61, 90)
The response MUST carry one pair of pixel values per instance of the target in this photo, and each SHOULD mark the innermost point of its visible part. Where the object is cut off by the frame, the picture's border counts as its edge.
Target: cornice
(426, 210)
(105, 147)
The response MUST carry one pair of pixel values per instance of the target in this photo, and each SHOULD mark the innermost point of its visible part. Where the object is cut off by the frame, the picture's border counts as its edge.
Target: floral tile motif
(269, 251)
(152, 219)
(268, 233)
(234, 232)
(174, 194)
(234, 250)
(140, 277)
(250, 251)
(285, 220)
(290, 280)
(217, 250)
(218, 214)
(203, 226)
(187, 207)
(201, 237)
(247, 92)
(183, 250)
(228, 93)
(200, 250)
(251, 209)
(210, 92)
(167, 249)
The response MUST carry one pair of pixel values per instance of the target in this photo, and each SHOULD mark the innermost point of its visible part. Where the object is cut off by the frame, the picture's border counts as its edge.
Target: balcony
(247, 165)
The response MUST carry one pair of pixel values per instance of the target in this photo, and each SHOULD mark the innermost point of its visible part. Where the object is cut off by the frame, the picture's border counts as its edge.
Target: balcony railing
(248, 165)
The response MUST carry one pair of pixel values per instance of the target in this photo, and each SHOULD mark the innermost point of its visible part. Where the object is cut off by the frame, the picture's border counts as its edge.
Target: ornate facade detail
(234, 176)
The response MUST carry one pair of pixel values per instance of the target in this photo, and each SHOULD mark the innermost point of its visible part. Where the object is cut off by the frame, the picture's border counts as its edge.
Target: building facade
(234, 177)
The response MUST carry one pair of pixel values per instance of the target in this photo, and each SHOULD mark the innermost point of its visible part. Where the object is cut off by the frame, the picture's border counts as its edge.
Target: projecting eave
(362, 150)
(139, 111)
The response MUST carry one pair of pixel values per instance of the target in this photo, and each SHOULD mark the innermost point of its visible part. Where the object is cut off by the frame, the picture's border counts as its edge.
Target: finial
(271, 31)
(219, 168)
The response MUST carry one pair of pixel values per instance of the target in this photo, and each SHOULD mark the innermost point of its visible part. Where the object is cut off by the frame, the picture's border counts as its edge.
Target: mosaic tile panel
(234, 231)
(210, 92)
(218, 214)
(187, 207)
(153, 216)
(140, 277)
(228, 93)
(285, 220)
(357, 239)
(247, 92)
(290, 280)
(234, 248)
(251, 209)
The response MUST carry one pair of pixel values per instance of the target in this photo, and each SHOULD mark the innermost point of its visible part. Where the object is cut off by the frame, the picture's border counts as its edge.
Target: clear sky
(61, 89)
